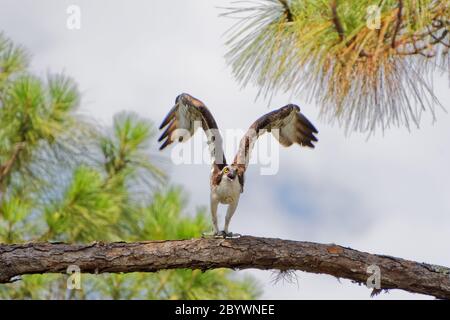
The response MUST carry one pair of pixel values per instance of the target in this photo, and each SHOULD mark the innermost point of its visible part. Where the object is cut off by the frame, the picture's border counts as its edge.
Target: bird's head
(229, 172)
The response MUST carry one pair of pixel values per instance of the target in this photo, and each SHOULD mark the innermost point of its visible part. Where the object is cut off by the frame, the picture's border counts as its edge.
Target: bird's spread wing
(287, 124)
(185, 118)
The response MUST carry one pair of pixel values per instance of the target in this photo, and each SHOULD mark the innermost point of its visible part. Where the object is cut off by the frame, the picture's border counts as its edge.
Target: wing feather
(184, 119)
(292, 127)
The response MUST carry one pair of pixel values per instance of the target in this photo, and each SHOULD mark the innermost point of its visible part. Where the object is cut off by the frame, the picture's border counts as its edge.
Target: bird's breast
(227, 191)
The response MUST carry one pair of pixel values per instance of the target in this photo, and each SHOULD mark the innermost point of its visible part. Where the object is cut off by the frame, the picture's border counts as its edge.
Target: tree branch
(337, 21)
(287, 10)
(243, 253)
(399, 22)
(5, 168)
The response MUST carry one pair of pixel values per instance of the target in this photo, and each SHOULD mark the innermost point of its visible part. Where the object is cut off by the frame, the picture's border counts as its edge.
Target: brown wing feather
(184, 119)
(293, 127)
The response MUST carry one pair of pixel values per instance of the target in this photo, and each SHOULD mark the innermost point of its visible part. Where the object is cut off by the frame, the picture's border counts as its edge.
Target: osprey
(287, 124)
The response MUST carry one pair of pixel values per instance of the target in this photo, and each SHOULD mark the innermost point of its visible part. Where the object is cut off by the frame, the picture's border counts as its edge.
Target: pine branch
(399, 22)
(287, 10)
(337, 21)
(6, 168)
(360, 74)
(243, 253)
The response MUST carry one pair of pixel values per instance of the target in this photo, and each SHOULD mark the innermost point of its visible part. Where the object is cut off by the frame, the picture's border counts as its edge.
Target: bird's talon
(211, 235)
(231, 235)
(219, 235)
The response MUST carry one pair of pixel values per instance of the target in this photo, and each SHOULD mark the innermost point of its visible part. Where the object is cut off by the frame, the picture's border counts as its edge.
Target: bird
(287, 124)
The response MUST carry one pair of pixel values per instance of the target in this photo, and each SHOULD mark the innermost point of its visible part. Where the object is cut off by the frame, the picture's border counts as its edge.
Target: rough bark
(243, 253)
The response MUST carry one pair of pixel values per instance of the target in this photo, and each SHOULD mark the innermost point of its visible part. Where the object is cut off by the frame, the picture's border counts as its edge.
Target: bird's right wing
(184, 119)
(287, 124)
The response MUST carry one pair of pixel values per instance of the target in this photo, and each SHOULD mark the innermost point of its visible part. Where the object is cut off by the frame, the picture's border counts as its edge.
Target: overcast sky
(389, 194)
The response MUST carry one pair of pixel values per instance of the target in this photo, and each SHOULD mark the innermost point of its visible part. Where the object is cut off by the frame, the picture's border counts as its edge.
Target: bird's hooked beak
(231, 175)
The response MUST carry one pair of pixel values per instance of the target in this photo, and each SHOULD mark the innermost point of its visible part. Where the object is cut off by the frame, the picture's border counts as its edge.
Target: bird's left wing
(184, 119)
(287, 124)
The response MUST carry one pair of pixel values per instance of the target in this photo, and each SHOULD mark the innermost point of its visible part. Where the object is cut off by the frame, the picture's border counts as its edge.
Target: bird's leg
(214, 205)
(231, 210)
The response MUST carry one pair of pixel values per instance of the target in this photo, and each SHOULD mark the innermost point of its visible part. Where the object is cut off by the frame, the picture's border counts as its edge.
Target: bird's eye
(225, 170)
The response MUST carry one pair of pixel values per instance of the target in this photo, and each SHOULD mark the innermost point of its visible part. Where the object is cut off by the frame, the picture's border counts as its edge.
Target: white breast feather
(227, 191)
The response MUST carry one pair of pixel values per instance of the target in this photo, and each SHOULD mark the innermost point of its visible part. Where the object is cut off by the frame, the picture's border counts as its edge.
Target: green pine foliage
(63, 179)
(367, 64)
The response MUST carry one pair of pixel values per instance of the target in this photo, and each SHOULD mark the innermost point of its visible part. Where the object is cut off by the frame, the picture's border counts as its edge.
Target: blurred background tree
(63, 179)
(368, 64)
